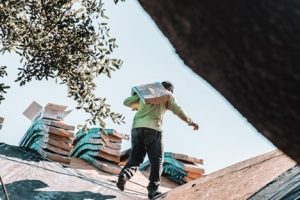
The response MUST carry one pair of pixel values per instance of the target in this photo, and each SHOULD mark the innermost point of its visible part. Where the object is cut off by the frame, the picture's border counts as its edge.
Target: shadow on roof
(33, 189)
(20, 153)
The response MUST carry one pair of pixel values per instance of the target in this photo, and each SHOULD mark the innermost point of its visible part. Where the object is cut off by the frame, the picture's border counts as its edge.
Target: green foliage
(116, 1)
(64, 39)
(3, 87)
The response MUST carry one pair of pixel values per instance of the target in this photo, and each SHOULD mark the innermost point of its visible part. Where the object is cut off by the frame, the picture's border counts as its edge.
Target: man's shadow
(27, 190)
(21, 153)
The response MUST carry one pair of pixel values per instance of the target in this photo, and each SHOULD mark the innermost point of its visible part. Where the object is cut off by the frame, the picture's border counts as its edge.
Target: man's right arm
(130, 100)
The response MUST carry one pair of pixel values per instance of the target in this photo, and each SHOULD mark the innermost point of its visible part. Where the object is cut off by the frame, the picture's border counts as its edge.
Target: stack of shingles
(193, 167)
(1, 122)
(178, 167)
(101, 148)
(50, 138)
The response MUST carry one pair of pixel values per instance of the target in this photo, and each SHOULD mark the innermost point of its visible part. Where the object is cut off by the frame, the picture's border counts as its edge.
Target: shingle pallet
(101, 148)
(50, 138)
(179, 167)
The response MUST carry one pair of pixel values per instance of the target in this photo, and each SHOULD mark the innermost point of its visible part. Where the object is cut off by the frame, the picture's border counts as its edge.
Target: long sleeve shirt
(151, 115)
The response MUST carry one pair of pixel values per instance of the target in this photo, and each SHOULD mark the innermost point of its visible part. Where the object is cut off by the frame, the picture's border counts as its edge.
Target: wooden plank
(193, 175)
(67, 140)
(114, 139)
(115, 159)
(105, 138)
(107, 166)
(60, 124)
(183, 157)
(193, 168)
(120, 135)
(59, 158)
(110, 151)
(60, 132)
(55, 149)
(187, 179)
(61, 144)
(111, 138)
(112, 145)
(54, 157)
(114, 133)
(56, 143)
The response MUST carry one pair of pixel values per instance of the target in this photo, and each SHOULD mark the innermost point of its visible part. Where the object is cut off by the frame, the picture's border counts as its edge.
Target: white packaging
(50, 111)
(153, 93)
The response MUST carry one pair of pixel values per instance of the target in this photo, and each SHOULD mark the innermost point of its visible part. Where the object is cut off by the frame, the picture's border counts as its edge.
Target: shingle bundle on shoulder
(180, 168)
(48, 134)
(101, 148)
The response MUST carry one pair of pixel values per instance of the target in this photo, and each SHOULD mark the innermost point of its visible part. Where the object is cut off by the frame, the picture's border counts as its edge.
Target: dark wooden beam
(249, 50)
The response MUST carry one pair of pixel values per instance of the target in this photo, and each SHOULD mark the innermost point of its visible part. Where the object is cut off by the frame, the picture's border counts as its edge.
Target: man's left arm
(177, 110)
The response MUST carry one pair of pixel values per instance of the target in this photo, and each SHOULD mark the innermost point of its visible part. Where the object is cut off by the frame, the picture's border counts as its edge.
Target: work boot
(121, 182)
(153, 194)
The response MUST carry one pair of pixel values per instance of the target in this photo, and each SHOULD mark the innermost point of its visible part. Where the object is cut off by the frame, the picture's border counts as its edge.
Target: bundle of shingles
(101, 148)
(178, 167)
(48, 135)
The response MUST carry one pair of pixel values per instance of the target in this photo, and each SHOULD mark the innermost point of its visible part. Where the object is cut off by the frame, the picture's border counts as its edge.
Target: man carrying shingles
(146, 137)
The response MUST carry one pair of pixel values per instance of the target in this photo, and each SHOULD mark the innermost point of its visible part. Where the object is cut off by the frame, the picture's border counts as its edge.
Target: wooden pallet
(61, 132)
(58, 124)
(54, 157)
(109, 157)
(193, 168)
(102, 164)
(186, 158)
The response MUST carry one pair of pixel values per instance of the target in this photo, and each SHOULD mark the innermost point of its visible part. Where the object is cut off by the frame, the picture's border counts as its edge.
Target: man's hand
(134, 106)
(195, 126)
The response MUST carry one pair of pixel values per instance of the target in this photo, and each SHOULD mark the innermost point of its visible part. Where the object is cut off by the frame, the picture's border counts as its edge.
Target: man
(146, 137)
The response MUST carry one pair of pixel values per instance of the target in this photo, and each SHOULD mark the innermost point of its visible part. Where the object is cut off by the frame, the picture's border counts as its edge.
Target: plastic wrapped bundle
(50, 138)
(153, 93)
(179, 168)
(101, 148)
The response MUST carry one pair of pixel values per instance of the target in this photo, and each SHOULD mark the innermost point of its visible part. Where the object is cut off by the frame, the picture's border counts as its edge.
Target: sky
(224, 137)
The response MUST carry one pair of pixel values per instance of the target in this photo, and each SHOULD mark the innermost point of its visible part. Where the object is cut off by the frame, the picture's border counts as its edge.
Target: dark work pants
(146, 140)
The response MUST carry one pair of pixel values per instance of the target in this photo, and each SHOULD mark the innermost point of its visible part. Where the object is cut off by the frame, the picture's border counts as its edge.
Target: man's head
(168, 86)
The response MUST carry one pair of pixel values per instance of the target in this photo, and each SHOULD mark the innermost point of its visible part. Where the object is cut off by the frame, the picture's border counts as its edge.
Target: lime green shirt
(151, 115)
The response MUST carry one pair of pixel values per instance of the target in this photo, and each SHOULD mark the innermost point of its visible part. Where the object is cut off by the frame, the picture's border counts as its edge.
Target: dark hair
(168, 85)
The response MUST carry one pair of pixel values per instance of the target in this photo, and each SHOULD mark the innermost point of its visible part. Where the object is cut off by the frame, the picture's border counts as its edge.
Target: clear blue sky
(224, 138)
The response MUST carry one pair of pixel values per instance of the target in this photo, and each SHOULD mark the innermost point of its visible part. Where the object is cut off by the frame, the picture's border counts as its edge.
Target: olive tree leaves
(64, 39)
(3, 87)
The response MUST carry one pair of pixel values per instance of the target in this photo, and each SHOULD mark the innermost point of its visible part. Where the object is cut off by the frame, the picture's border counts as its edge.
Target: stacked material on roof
(101, 148)
(1, 122)
(48, 134)
(179, 167)
(51, 139)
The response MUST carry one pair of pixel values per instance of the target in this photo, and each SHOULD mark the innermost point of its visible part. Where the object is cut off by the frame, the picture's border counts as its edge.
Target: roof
(239, 181)
(27, 176)
(285, 186)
